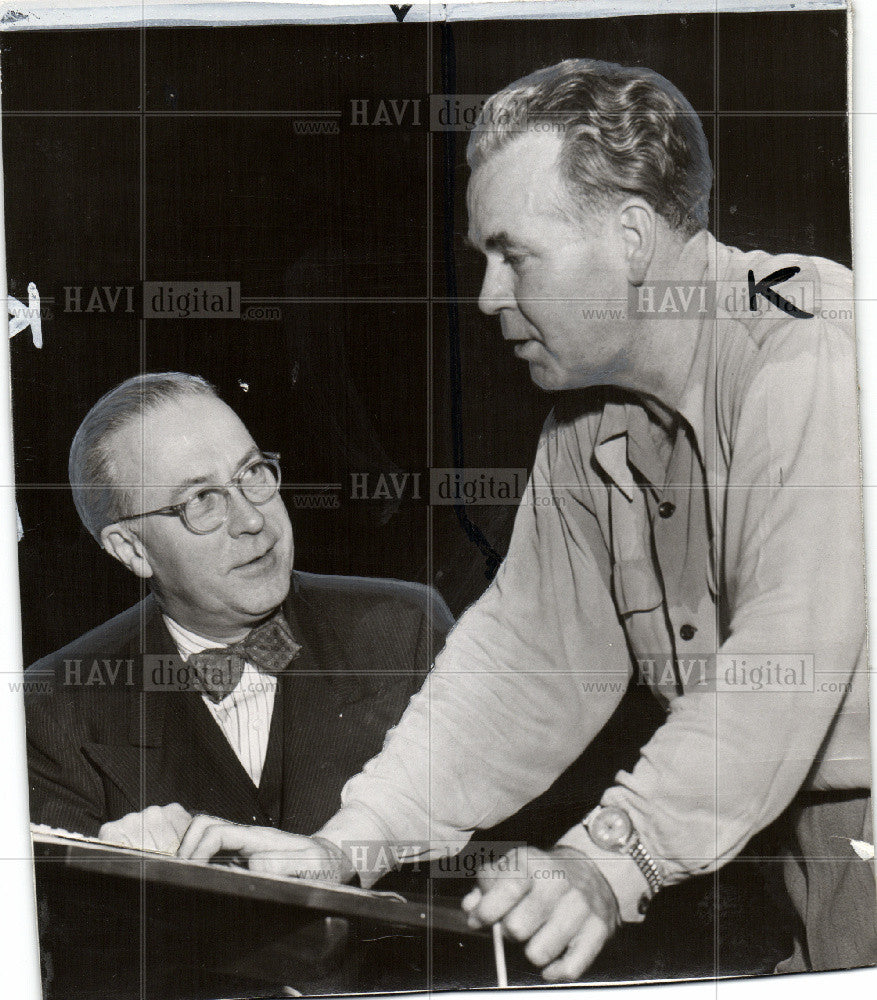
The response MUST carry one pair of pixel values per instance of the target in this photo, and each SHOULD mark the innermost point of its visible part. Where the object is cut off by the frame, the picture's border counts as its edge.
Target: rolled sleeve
(530, 674)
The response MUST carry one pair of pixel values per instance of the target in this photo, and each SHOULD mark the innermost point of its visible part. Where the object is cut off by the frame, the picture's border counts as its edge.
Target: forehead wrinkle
(181, 488)
(204, 480)
(518, 186)
(168, 448)
(480, 200)
(211, 479)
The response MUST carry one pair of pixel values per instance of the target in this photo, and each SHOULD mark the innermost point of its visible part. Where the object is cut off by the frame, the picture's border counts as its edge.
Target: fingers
(519, 890)
(271, 864)
(564, 922)
(171, 829)
(116, 832)
(164, 827)
(178, 819)
(499, 900)
(501, 885)
(133, 830)
(153, 834)
(581, 952)
(149, 835)
(156, 828)
(265, 848)
(560, 906)
(207, 835)
(194, 832)
(469, 903)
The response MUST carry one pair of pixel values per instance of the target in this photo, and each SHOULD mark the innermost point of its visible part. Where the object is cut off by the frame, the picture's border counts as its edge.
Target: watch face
(611, 829)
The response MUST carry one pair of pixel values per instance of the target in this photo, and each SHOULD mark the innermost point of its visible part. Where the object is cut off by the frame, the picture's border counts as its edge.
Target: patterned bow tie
(270, 648)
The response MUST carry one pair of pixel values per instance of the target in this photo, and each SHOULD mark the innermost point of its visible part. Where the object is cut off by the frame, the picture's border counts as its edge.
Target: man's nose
(497, 288)
(244, 518)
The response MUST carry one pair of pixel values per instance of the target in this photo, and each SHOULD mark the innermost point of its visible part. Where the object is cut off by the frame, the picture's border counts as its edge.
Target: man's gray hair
(624, 131)
(99, 499)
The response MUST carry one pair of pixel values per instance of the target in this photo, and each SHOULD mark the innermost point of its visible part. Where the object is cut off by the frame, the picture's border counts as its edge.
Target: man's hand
(158, 828)
(267, 849)
(556, 901)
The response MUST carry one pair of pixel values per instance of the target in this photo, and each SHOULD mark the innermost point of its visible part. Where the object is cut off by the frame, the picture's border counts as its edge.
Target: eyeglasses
(207, 510)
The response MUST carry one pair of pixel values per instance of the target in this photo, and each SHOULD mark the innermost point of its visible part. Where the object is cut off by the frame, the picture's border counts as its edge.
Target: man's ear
(126, 545)
(639, 233)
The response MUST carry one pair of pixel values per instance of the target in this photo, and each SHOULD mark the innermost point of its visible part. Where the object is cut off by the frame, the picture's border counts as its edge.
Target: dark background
(174, 154)
(355, 228)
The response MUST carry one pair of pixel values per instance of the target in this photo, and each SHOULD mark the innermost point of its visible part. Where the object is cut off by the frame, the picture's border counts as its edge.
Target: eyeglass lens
(208, 508)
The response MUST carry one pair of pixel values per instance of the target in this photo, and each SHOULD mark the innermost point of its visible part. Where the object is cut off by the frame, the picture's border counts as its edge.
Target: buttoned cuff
(631, 889)
(357, 831)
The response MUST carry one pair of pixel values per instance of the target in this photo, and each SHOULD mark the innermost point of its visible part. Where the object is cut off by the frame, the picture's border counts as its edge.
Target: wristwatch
(611, 829)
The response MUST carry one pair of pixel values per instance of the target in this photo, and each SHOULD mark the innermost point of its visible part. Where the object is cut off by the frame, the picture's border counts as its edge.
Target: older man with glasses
(239, 688)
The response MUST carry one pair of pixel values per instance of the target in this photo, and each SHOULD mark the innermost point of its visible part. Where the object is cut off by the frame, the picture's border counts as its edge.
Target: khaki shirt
(721, 562)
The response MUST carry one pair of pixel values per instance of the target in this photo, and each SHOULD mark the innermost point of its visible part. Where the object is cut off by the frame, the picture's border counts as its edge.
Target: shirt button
(687, 632)
(666, 509)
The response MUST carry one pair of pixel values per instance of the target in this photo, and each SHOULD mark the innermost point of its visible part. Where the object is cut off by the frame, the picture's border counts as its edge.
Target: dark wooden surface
(241, 883)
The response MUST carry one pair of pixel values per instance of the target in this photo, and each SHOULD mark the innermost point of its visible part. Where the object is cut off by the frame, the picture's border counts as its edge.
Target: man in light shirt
(693, 522)
(237, 687)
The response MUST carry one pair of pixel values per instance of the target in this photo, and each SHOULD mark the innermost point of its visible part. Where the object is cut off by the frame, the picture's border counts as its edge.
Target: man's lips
(257, 561)
(525, 348)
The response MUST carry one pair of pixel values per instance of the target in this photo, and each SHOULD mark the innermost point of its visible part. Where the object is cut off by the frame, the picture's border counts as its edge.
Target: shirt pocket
(635, 586)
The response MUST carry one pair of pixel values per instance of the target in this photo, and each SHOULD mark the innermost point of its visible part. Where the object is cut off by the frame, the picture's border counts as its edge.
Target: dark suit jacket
(100, 746)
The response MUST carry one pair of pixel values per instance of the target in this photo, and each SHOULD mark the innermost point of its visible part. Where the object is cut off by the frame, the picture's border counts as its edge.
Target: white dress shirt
(244, 715)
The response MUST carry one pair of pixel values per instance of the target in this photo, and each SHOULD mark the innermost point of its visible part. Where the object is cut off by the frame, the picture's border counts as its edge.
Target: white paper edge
(45, 14)
(19, 959)
(18, 943)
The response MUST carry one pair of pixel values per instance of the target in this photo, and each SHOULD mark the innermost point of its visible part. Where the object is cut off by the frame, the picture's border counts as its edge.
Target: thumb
(471, 900)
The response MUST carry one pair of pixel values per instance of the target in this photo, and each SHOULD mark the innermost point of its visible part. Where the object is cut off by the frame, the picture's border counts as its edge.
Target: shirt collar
(188, 642)
(626, 442)
(706, 257)
(623, 436)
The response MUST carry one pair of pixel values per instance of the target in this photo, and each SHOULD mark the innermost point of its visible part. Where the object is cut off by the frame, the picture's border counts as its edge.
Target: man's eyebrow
(254, 452)
(187, 484)
(499, 241)
(496, 241)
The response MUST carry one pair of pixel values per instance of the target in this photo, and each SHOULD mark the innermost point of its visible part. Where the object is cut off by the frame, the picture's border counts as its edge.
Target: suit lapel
(313, 726)
(181, 753)
(300, 705)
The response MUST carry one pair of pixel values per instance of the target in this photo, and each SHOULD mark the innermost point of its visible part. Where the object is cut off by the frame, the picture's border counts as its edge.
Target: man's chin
(262, 598)
(555, 380)
(546, 379)
(258, 611)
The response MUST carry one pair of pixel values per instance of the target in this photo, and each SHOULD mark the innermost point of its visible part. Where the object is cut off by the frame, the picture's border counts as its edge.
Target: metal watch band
(646, 865)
